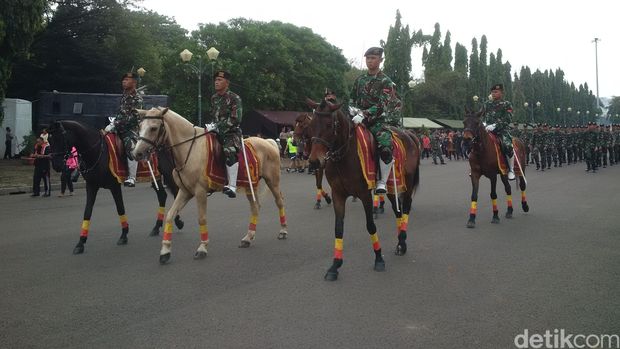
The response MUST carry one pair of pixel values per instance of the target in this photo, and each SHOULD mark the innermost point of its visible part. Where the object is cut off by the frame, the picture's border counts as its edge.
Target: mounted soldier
(498, 116)
(374, 95)
(227, 112)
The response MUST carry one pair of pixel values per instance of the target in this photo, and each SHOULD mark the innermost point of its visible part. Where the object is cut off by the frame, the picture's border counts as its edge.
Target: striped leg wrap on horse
(338, 249)
(494, 202)
(403, 222)
(123, 220)
(204, 233)
(509, 201)
(282, 217)
(167, 233)
(375, 201)
(85, 227)
(319, 192)
(523, 196)
(160, 214)
(253, 222)
(473, 209)
(374, 238)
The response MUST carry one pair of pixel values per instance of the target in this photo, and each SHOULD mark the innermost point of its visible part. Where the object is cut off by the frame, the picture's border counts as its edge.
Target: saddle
(117, 161)
(215, 168)
(368, 159)
(501, 159)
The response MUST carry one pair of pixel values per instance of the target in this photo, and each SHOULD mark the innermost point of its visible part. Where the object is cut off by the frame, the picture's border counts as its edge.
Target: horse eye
(153, 129)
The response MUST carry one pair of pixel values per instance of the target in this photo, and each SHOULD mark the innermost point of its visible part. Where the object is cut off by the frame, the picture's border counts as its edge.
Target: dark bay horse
(483, 162)
(334, 146)
(94, 156)
(301, 134)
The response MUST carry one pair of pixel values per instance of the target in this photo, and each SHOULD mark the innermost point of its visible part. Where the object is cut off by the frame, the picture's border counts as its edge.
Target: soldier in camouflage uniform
(606, 145)
(558, 145)
(126, 122)
(436, 148)
(545, 154)
(536, 144)
(498, 116)
(227, 112)
(570, 144)
(591, 144)
(374, 94)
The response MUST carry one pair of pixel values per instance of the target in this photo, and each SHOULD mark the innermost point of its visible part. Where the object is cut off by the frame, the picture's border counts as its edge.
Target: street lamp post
(186, 56)
(570, 110)
(141, 71)
(212, 53)
(411, 84)
(526, 105)
(558, 110)
(587, 115)
(579, 116)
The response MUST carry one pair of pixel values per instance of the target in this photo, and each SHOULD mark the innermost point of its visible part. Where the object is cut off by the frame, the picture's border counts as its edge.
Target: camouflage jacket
(127, 118)
(227, 112)
(498, 113)
(537, 139)
(376, 95)
(591, 139)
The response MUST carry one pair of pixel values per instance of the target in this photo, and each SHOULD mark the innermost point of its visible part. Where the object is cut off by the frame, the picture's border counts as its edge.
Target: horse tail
(416, 177)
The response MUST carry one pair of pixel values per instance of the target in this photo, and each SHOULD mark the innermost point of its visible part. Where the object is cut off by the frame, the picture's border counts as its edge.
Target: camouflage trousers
(437, 153)
(591, 156)
(129, 141)
(383, 138)
(231, 145)
(505, 142)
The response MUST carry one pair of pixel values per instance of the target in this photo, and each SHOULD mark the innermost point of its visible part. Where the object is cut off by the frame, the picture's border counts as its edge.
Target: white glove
(210, 127)
(354, 111)
(357, 119)
(110, 127)
(490, 127)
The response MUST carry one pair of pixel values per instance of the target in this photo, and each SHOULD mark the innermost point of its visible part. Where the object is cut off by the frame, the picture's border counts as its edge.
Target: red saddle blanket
(215, 172)
(366, 153)
(501, 160)
(118, 165)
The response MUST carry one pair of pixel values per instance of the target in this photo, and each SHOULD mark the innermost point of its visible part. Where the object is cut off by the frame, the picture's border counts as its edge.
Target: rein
(334, 155)
(82, 162)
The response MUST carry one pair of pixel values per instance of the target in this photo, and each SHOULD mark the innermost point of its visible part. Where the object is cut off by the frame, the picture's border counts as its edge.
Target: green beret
(130, 75)
(374, 51)
(497, 87)
(222, 74)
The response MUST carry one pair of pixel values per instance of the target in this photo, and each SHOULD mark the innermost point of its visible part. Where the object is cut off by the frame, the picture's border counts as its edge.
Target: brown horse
(301, 135)
(483, 162)
(334, 145)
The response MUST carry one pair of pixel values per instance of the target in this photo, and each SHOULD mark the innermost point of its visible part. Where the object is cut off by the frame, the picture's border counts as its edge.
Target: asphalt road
(556, 267)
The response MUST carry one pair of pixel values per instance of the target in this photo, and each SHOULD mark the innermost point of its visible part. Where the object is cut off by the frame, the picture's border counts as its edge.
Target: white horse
(187, 143)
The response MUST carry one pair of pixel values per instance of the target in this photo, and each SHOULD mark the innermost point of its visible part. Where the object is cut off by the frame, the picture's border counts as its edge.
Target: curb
(27, 190)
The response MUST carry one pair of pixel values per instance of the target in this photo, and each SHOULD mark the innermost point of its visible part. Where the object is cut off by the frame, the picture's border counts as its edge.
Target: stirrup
(230, 192)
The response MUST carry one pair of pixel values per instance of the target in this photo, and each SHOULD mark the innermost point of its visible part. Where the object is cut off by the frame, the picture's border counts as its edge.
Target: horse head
(326, 130)
(472, 124)
(151, 131)
(301, 133)
(60, 143)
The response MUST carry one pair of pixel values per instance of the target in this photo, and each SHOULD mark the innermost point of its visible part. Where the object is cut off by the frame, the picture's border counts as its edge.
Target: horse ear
(334, 107)
(312, 104)
(467, 111)
(164, 111)
(480, 112)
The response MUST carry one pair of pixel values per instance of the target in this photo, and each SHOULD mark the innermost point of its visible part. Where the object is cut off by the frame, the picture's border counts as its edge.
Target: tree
(19, 22)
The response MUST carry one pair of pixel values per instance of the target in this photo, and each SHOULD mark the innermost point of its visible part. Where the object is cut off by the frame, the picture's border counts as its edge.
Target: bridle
(67, 150)
(332, 154)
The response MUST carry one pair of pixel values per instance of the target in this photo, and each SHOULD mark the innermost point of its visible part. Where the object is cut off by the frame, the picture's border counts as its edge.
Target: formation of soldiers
(554, 146)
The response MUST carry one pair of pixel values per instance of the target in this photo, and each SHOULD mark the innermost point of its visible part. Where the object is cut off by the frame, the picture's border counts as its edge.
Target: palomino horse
(188, 145)
(483, 161)
(301, 133)
(94, 156)
(334, 145)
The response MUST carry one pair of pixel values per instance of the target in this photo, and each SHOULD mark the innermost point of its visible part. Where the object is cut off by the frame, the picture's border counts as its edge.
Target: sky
(542, 34)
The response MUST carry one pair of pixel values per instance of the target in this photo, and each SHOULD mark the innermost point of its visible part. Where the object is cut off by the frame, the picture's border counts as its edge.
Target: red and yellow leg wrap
(85, 227)
(338, 249)
(282, 217)
(381, 198)
(204, 233)
(523, 196)
(404, 222)
(160, 213)
(168, 232)
(319, 192)
(375, 242)
(323, 193)
(123, 220)
(253, 222)
(375, 201)
(473, 208)
(509, 200)
(494, 202)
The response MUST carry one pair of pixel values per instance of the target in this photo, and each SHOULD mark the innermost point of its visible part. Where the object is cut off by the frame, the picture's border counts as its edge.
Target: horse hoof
(328, 200)
(401, 250)
(122, 241)
(244, 244)
(282, 235)
(380, 266)
(508, 215)
(78, 249)
(471, 224)
(200, 255)
(317, 206)
(331, 276)
(495, 220)
(178, 222)
(525, 207)
(154, 232)
(164, 258)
